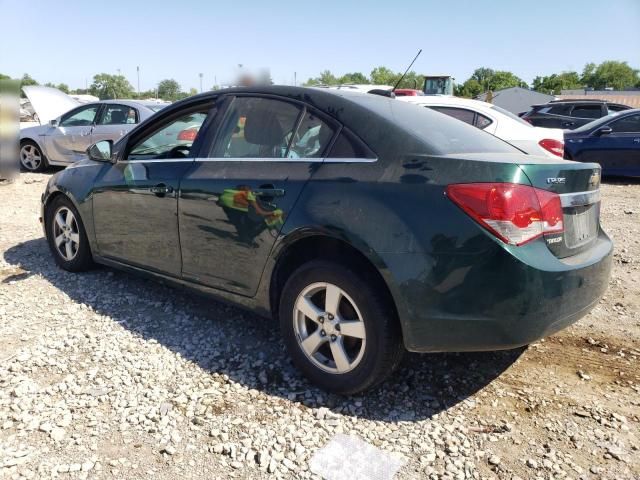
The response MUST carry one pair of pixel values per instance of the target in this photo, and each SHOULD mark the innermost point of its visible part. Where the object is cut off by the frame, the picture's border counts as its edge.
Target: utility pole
(295, 79)
(200, 82)
(138, 71)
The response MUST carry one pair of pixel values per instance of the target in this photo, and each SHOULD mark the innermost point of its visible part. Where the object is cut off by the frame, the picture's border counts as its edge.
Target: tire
(66, 236)
(31, 157)
(362, 311)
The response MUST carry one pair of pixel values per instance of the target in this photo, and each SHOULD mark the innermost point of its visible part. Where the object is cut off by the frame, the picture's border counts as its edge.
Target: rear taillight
(514, 213)
(188, 135)
(554, 146)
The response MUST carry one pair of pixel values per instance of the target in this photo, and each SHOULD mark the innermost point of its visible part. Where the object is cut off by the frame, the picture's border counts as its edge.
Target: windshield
(511, 115)
(157, 107)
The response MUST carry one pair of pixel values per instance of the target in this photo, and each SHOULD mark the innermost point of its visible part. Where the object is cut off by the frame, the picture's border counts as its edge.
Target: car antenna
(389, 93)
(405, 72)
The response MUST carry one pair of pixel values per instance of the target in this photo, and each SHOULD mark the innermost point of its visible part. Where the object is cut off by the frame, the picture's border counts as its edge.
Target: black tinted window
(460, 113)
(617, 108)
(348, 146)
(630, 124)
(587, 111)
(557, 109)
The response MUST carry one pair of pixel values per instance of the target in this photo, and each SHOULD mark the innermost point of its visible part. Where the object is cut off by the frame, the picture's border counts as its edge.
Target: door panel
(68, 142)
(135, 211)
(135, 201)
(230, 213)
(233, 205)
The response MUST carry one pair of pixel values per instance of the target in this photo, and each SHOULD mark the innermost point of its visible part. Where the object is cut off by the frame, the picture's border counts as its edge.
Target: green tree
(555, 83)
(610, 74)
(106, 86)
(27, 80)
(63, 87)
(382, 76)
(4, 77)
(484, 79)
(325, 78)
(355, 77)
(169, 89)
(471, 88)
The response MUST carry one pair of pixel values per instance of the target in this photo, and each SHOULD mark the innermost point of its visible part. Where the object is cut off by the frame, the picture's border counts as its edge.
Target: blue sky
(70, 41)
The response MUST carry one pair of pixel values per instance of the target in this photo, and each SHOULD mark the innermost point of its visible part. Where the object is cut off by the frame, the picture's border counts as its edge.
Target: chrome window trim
(289, 160)
(158, 160)
(576, 199)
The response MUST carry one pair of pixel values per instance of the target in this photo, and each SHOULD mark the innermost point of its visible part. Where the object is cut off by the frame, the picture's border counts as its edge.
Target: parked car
(65, 139)
(612, 141)
(570, 114)
(393, 228)
(496, 121)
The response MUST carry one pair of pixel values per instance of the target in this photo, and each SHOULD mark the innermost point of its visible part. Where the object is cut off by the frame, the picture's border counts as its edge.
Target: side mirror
(604, 131)
(101, 151)
(54, 122)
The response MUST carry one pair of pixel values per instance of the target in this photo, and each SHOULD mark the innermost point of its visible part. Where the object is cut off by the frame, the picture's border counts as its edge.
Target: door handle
(161, 190)
(268, 191)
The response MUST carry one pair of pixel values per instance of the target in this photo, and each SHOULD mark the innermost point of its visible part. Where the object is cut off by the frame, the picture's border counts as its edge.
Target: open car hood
(48, 102)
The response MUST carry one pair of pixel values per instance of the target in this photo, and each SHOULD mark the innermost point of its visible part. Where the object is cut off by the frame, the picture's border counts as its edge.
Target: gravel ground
(105, 375)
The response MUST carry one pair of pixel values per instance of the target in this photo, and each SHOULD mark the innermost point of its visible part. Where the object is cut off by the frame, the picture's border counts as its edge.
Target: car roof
(366, 114)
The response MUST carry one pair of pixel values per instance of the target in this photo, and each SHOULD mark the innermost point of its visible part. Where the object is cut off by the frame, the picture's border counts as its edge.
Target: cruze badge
(556, 180)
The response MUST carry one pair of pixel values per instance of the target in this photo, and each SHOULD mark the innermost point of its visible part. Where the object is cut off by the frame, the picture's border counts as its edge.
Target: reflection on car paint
(249, 213)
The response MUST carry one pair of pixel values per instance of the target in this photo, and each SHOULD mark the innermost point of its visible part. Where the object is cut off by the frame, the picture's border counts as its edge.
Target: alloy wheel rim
(30, 157)
(66, 235)
(329, 328)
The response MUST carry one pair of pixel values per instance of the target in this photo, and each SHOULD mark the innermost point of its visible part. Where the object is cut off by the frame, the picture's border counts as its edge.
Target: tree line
(106, 86)
(608, 74)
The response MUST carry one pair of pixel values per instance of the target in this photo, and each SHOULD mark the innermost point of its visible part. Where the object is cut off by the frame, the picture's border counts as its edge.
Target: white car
(498, 122)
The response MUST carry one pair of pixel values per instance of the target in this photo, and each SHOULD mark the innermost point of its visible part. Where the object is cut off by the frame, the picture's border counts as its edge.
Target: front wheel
(339, 329)
(31, 157)
(66, 236)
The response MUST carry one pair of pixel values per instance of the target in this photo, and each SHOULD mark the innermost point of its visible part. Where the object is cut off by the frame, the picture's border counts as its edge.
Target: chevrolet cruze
(366, 225)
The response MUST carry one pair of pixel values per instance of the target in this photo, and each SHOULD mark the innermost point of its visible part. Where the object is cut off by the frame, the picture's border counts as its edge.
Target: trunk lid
(578, 185)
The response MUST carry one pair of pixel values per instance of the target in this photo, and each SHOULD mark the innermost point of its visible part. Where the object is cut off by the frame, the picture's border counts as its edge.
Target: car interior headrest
(262, 127)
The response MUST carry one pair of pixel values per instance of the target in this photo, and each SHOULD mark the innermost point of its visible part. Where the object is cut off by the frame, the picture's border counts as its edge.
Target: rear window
(445, 135)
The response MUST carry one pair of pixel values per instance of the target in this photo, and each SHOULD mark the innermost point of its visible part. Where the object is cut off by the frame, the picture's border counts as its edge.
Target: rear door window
(587, 111)
(467, 116)
(482, 122)
(118, 115)
(256, 127)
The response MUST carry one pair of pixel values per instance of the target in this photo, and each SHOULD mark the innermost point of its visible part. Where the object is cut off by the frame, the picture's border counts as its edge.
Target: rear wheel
(66, 236)
(31, 157)
(338, 328)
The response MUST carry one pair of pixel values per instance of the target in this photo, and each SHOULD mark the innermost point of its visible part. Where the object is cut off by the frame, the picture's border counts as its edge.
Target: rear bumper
(497, 299)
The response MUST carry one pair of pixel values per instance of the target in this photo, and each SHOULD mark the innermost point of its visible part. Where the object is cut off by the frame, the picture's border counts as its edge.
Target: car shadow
(226, 340)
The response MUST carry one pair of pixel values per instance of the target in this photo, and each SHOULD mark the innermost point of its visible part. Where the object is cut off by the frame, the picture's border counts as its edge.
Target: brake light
(188, 135)
(514, 213)
(554, 146)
